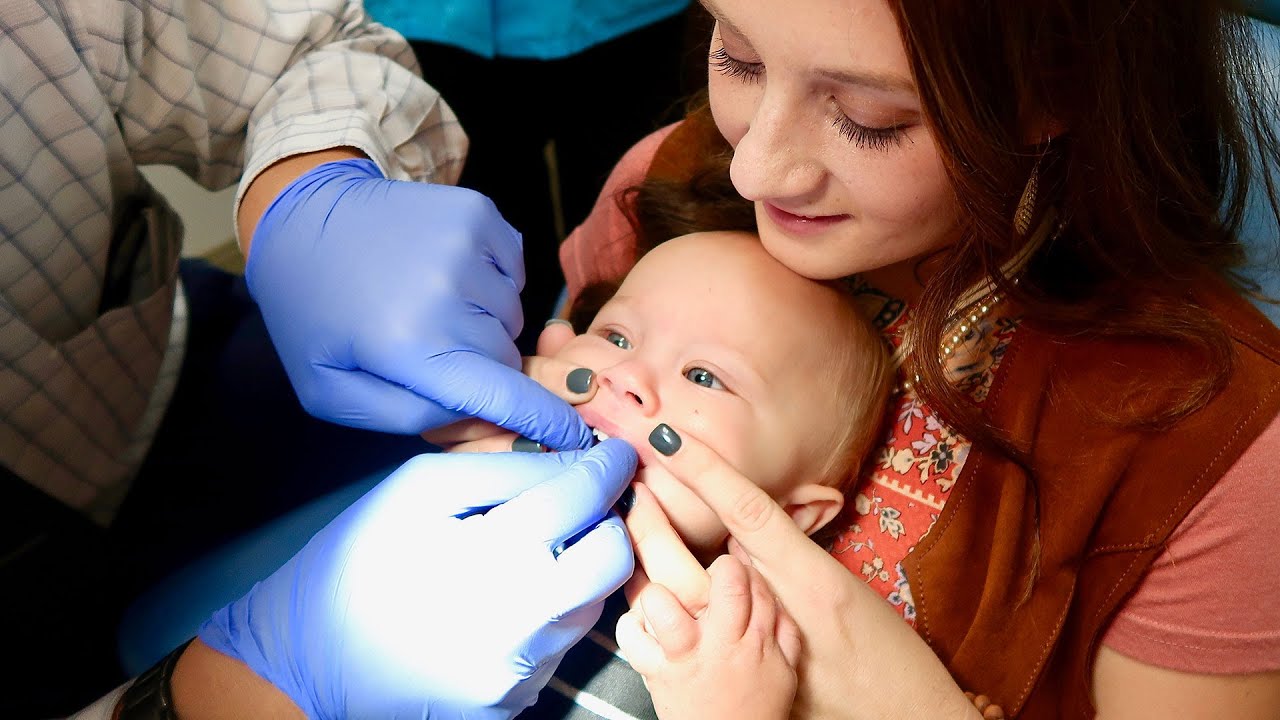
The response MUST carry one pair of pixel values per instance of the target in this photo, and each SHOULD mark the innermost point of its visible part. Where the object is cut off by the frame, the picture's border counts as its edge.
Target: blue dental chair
(170, 613)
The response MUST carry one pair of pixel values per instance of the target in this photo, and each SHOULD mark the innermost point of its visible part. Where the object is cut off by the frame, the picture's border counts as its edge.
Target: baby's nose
(631, 384)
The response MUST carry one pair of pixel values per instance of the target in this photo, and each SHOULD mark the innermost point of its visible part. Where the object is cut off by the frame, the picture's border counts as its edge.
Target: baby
(782, 376)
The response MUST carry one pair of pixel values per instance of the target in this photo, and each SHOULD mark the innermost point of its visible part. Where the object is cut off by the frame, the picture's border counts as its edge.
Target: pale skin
(817, 99)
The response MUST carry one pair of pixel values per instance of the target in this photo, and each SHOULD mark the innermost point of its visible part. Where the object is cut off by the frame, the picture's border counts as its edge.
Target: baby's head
(781, 375)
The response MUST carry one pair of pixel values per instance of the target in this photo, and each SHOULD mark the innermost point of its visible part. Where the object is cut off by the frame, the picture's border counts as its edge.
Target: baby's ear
(812, 506)
(553, 337)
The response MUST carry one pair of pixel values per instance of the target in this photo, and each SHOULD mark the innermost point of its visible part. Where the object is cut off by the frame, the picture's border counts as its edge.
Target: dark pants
(235, 450)
(592, 106)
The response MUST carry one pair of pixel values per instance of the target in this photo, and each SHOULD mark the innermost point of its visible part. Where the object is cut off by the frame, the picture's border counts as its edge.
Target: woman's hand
(859, 659)
(575, 385)
(735, 660)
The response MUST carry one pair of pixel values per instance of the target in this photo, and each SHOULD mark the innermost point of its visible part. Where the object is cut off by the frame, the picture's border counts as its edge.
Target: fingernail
(664, 440)
(579, 381)
(524, 444)
(558, 321)
(626, 501)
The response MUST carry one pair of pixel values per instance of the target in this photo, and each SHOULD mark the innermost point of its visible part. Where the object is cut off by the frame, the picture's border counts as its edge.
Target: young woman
(1073, 505)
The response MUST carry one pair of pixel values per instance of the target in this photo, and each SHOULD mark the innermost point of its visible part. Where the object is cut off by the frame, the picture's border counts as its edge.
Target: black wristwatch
(150, 697)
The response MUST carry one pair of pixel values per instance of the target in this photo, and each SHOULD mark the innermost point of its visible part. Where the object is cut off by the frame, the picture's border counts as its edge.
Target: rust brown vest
(1109, 498)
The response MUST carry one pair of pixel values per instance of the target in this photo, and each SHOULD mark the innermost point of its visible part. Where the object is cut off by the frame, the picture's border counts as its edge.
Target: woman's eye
(703, 377)
(868, 137)
(727, 65)
(618, 340)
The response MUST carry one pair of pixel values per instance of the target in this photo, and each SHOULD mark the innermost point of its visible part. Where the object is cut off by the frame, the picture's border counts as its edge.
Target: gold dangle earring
(1026, 211)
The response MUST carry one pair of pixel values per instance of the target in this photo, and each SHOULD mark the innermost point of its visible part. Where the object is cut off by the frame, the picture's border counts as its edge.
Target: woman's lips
(793, 224)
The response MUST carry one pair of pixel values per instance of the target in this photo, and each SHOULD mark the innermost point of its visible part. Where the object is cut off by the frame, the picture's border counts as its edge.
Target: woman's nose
(630, 383)
(774, 160)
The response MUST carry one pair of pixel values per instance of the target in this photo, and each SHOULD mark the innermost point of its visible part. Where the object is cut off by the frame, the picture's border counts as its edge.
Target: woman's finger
(788, 634)
(764, 606)
(638, 647)
(662, 555)
(507, 441)
(463, 431)
(730, 604)
(668, 622)
(761, 527)
(572, 383)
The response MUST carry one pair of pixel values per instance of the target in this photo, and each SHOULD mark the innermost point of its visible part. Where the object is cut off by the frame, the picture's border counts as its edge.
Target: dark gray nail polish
(579, 381)
(626, 501)
(524, 444)
(665, 440)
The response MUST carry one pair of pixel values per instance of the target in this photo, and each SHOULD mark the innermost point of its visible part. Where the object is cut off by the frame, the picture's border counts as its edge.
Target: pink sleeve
(603, 246)
(1211, 602)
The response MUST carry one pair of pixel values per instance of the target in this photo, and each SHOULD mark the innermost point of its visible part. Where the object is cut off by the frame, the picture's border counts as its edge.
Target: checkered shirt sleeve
(222, 89)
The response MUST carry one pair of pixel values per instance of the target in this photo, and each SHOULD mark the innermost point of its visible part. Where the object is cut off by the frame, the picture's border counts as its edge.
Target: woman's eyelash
(860, 135)
(729, 66)
(867, 137)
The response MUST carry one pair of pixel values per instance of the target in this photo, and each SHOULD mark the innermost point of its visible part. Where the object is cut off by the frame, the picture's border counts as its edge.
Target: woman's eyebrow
(885, 82)
(711, 8)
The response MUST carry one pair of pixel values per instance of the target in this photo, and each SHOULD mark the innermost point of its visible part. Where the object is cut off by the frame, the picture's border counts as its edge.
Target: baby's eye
(618, 340)
(703, 377)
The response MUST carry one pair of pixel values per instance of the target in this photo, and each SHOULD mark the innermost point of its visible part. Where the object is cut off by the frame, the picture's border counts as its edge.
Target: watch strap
(150, 697)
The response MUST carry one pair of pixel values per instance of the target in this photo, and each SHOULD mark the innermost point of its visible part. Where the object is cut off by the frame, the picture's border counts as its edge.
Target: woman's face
(817, 99)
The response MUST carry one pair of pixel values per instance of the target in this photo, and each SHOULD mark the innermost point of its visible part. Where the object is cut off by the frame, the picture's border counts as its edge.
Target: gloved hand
(394, 305)
(443, 592)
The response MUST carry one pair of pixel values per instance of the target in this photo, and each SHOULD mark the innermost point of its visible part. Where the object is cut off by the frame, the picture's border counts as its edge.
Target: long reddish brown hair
(1158, 103)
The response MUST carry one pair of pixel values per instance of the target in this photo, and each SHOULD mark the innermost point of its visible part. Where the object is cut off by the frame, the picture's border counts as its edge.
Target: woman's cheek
(732, 107)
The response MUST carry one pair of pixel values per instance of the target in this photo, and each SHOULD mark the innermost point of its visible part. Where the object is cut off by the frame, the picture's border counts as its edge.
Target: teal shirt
(537, 29)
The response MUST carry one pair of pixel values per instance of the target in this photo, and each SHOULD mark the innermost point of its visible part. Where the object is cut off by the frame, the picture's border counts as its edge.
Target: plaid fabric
(90, 342)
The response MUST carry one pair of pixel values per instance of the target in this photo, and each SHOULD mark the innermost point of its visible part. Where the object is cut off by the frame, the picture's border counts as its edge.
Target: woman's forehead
(853, 42)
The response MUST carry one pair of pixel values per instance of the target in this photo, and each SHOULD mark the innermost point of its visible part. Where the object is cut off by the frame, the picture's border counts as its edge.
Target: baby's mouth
(601, 436)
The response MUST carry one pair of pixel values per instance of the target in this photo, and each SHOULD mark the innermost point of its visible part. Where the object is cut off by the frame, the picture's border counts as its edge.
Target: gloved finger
(591, 569)
(573, 384)
(492, 292)
(730, 604)
(456, 485)
(663, 556)
(474, 385)
(572, 501)
(676, 631)
(505, 245)
(637, 646)
(569, 381)
(361, 400)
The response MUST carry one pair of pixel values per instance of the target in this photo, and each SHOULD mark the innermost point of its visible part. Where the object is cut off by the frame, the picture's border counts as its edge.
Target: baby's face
(712, 336)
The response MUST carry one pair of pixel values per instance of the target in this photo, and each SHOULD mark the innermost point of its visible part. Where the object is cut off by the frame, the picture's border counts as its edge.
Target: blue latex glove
(394, 305)
(412, 604)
